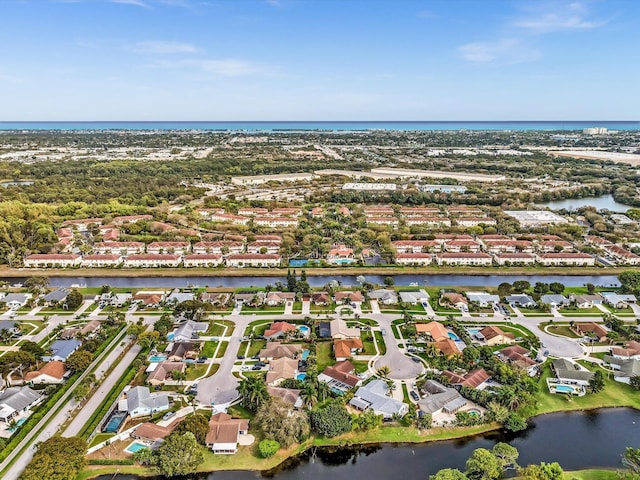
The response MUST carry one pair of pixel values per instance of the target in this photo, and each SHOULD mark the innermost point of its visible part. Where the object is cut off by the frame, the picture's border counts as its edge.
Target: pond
(576, 440)
(600, 203)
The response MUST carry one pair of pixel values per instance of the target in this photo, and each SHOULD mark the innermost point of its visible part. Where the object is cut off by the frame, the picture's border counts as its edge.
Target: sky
(260, 60)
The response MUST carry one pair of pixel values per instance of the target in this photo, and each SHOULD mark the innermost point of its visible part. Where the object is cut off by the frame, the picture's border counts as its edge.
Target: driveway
(401, 366)
(375, 308)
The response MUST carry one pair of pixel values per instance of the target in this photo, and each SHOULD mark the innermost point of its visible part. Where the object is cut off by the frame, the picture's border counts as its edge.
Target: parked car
(240, 357)
(256, 367)
(414, 396)
(168, 415)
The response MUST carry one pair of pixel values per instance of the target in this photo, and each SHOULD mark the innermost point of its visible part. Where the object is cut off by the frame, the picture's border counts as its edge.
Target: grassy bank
(329, 271)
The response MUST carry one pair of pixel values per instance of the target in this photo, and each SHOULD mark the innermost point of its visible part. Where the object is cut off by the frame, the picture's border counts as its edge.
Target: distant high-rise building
(594, 131)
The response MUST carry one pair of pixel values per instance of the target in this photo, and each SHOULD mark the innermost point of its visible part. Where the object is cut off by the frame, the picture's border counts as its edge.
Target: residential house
(279, 298)
(239, 260)
(392, 221)
(375, 396)
(140, 402)
(159, 372)
(218, 248)
(520, 300)
(341, 255)
(435, 330)
(179, 351)
(514, 259)
(414, 297)
(493, 335)
(599, 332)
(630, 350)
(384, 296)
(102, 260)
(152, 260)
(61, 349)
(263, 247)
(428, 221)
(189, 330)
(118, 248)
(206, 260)
(83, 224)
(571, 373)
(14, 301)
(131, 219)
(483, 299)
(17, 400)
(176, 297)
(252, 212)
(178, 248)
(278, 330)
(275, 222)
(86, 330)
(440, 400)
(453, 299)
(151, 433)
(622, 255)
(348, 297)
(555, 300)
(224, 433)
(149, 298)
(624, 369)
(475, 221)
(320, 298)
(586, 301)
(415, 246)
(447, 347)
(340, 377)
(346, 348)
(251, 299)
(473, 379)
(281, 369)
(462, 246)
(618, 300)
(290, 396)
(413, 258)
(56, 260)
(518, 356)
(566, 259)
(549, 246)
(50, 373)
(463, 259)
(275, 350)
(340, 330)
(55, 297)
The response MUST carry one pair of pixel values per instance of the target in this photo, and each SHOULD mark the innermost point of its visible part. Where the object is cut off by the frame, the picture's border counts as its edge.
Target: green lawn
(323, 355)
(367, 342)
(196, 371)
(380, 340)
(222, 349)
(208, 349)
(563, 330)
(216, 328)
(100, 437)
(592, 475)
(254, 349)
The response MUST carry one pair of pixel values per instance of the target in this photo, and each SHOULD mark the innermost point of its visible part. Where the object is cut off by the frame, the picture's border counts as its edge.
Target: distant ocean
(319, 126)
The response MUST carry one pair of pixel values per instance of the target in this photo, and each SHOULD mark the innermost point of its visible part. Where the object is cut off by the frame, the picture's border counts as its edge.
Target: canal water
(576, 440)
(319, 281)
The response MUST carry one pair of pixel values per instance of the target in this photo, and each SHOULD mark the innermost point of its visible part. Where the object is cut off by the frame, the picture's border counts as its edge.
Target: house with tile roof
(53, 372)
(224, 433)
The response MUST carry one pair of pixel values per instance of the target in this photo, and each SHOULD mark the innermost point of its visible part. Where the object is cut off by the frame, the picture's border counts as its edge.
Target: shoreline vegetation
(316, 272)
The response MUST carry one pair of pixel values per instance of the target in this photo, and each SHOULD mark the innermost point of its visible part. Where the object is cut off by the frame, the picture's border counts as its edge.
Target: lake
(576, 440)
(600, 203)
(319, 281)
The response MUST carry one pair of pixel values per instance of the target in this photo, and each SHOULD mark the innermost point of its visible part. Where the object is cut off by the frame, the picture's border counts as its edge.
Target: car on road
(414, 396)
(240, 357)
(244, 368)
(193, 389)
(168, 415)
(383, 331)
(416, 359)
(256, 367)
(202, 359)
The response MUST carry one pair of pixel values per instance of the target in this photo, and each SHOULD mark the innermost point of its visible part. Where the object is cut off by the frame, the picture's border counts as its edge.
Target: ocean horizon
(321, 126)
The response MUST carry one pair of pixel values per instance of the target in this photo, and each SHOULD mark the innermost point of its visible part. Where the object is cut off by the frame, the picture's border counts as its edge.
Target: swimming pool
(115, 421)
(564, 388)
(18, 424)
(474, 412)
(294, 262)
(301, 376)
(304, 329)
(305, 355)
(453, 337)
(473, 331)
(135, 447)
(343, 261)
(170, 336)
(158, 358)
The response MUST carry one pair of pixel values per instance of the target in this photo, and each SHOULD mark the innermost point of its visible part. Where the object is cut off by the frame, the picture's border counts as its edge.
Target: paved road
(401, 366)
(221, 388)
(49, 424)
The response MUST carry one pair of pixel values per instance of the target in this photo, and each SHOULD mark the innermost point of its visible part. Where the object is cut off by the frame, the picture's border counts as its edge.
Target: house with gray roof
(17, 400)
(520, 300)
(624, 369)
(140, 402)
(483, 299)
(375, 396)
(189, 330)
(61, 349)
(555, 300)
(618, 300)
(56, 296)
(9, 325)
(571, 373)
(586, 301)
(384, 296)
(15, 301)
(177, 297)
(440, 399)
(414, 297)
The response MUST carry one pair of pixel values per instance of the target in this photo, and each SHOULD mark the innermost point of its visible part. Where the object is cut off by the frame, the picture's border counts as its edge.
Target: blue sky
(319, 60)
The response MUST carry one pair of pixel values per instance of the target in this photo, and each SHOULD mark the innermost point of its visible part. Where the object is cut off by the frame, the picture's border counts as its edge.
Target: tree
(544, 471)
(15, 361)
(253, 392)
(384, 371)
(449, 474)
(514, 422)
(389, 281)
(425, 421)
(541, 288)
(635, 382)
(557, 288)
(281, 423)
(367, 420)
(37, 284)
(78, 361)
(505, 453)
(148, 339)
(630, 281)
(33, 348)
(504, 289)
(163, 324)
(483, 465)
(631, 459)
(330, 420)
(596, 383)
(196, 424)
(519, 286)
(498, 411)
(268, 448)
(58, 458)
(74, 299)
(179, 454)
(81, 392)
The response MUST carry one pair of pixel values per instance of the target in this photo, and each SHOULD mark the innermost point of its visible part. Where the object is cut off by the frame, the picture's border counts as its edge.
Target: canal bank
(577, 440)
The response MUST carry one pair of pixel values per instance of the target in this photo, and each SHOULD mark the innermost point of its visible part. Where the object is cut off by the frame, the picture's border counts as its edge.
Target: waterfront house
(440, 401)
(514, 259)
(566, 259)
(375, 396)
(414, 297)
(571, 373)
(483, 299)
(52, 260)
(624, 369)
(14, 301)
(555, 300)
(279, 298)
(416, 258)
(102, 260)
(239, 260)
(151, 433)
(152, 260)
(453, 299)
(320, 298)
(55, 297)
(384, 296)
(618, 300)
(520, 300)
(224, 433)
(140, 402)
(348, 297)
(206, 260)
(463, 259)
(586, 301)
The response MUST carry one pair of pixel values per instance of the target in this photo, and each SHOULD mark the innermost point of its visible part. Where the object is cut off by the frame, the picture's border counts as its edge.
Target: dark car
(256, 367)
(416, 359)
(414, 395)
(240, 357)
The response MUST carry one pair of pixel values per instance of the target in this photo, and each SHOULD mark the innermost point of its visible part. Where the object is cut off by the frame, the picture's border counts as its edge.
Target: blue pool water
(454, 337)
(344, 261)
(301, 376)
(113, 425)
(473, 331)
(170, 337)
(18, 424)
(305, 354)
(158, 358)
(305, 330)
(135, 447)
(298, 262)
(564, 388)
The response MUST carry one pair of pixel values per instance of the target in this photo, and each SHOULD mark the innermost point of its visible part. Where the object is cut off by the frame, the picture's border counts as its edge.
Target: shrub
(268, 448)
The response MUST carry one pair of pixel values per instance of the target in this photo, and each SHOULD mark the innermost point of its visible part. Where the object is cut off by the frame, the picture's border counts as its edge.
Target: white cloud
(219, 68)
(557, 17)
(275, 3)
(163, 47)
(508, 50)
(137, 3)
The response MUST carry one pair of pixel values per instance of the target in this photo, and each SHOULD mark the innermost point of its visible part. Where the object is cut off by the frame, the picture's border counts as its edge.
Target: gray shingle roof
(19, 398)
(375, 395)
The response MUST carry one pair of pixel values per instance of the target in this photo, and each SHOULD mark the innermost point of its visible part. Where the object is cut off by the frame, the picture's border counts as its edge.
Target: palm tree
(309, 395)
(431, 350)
(384, 371)
(253, 391)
